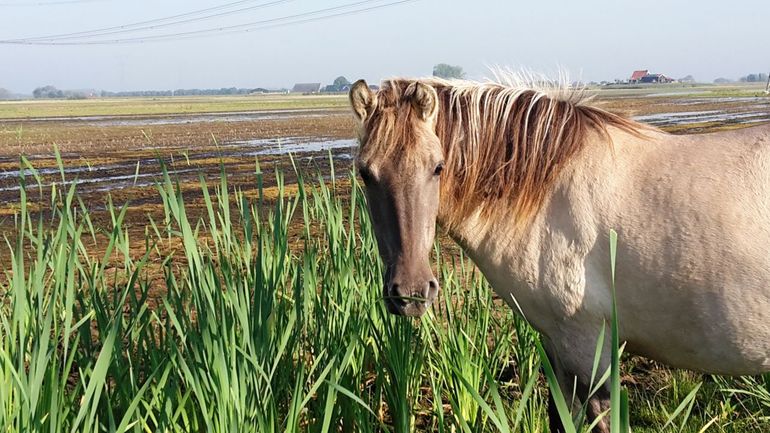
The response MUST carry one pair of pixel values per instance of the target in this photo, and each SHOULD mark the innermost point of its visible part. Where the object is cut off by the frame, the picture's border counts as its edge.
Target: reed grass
(268, 318)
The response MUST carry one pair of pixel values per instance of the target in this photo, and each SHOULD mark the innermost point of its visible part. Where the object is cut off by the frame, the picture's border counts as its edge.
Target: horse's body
(693, 264)
(532, 187)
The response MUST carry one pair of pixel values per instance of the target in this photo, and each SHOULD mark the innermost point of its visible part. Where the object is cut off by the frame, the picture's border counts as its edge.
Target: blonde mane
(504, 144)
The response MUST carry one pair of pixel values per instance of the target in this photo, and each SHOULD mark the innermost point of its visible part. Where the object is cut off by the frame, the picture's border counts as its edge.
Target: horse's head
(400, 160)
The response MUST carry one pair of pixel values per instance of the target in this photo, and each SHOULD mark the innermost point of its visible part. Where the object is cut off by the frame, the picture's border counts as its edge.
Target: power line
(158, 22)
(224, 30)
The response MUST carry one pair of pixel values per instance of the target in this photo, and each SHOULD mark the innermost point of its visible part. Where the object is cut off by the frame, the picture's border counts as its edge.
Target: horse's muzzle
(412, 300)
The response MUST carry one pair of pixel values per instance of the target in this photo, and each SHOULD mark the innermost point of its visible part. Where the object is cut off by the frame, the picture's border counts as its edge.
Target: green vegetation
(443, 70)
(339, 85)
(165, 105)
(681, 90)
(755, 78)
(252, 328)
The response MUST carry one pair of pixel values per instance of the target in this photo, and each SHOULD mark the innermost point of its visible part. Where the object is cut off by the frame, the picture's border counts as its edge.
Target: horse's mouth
(408, 308)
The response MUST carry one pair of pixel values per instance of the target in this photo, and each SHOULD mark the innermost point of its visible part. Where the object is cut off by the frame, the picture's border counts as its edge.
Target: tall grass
(258, 316)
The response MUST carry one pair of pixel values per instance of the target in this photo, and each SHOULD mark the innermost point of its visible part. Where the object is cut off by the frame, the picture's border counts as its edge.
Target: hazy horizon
(594, 41)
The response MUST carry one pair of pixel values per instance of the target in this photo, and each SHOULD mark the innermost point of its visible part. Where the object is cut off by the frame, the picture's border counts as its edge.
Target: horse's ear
(424, 100)
(363, 100)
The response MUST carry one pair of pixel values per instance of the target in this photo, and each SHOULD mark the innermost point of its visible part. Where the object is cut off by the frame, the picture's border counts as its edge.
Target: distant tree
(722, 81)
(338, 85)
(5, 93)
(180, 92)
(687, 79)
(340, 82)
(47, 92)
(753, 78)
(443, 70)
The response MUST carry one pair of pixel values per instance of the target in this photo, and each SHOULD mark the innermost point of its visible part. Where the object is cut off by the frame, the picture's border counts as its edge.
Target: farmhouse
(644, 76)
(637, 76)
(656, 78)
(306, 88)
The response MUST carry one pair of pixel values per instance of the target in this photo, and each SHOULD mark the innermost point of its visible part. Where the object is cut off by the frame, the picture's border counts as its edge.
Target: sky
(592, 40)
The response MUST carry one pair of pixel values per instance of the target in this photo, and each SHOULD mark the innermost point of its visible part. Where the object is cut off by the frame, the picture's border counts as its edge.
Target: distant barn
(656, 78)
(306, 88)
(644, 76)
(637, 76)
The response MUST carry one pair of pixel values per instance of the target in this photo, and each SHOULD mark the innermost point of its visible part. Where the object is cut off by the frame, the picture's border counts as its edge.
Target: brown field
(118, 155)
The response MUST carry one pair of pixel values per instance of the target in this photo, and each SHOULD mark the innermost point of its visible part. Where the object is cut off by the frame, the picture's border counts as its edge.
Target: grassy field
(45, 108)
(682, 90)
(164, 105)
(243, 294)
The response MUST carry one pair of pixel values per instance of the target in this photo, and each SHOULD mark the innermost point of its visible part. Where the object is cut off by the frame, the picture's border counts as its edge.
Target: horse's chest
(543, 279)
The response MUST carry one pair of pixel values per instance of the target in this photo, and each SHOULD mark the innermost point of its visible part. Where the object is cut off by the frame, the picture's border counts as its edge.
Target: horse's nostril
(395, 296)
(429, 290)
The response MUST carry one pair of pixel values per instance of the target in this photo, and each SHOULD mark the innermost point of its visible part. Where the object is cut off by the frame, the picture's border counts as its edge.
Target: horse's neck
(480, 237)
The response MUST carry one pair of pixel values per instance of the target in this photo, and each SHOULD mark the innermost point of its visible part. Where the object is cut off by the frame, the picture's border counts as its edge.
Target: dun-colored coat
(530, 184)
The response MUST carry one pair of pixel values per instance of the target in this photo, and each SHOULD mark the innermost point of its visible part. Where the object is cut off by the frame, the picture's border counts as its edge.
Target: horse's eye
(439, 169)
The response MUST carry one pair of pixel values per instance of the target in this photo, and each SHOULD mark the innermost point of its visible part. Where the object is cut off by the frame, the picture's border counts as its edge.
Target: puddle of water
(678, 93)
(674, 115)
(104, 179)
(684, 118)
(5, 174)
(125, 173)
(307, 147)
(720, 100)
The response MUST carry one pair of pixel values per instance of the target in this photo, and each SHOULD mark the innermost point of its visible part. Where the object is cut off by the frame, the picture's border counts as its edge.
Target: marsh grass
(253, 329)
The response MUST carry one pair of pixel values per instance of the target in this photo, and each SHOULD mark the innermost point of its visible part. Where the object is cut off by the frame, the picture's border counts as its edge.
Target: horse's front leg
(598, 405)
(571, 355)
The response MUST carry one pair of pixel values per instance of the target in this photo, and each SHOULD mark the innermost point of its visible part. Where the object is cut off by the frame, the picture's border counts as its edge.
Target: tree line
(51, 92)
(340, 84)
(754, 78)
(187, 92)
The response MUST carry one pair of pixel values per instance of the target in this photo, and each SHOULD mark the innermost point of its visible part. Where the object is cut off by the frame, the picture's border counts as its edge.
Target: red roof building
(638, 75)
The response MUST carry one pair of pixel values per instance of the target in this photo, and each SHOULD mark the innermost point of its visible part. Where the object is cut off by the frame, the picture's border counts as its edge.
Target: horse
(530, 181)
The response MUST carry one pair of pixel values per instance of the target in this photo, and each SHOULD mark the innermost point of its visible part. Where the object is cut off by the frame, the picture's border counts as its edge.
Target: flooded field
(119, 175)
(722, 111)
(122, 154)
